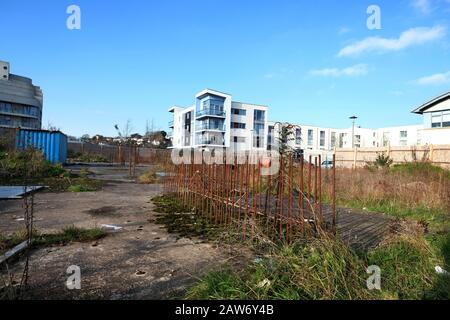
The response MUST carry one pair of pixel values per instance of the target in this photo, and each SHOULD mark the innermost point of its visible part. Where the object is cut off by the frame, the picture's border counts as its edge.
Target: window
(259, 115)
(440, 119)
(310, 137)
(259, 128)
(238, 125)
(322, 138)
(342, 139)
(270, 137)
(298, 136)
(239, 112)
(333, 139)
(257, 142)
(5, 68)
(239, 139)
(358, 141)
(4, 76)
(386, 140)
(446, 119)
(403, 138)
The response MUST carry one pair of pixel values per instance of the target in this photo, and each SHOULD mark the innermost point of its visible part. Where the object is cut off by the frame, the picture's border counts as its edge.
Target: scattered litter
(110, 227)
(257, 260)
(163, 279)
(20, 219)
(162, 174)
(17, 249)
(264, 283)
(140, 273)
(440, 270)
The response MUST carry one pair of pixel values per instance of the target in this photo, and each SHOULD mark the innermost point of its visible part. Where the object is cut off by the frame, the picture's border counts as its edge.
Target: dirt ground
(141, 261)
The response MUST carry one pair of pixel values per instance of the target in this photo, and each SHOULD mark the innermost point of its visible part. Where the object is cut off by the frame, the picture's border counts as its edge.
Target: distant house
(436, 117)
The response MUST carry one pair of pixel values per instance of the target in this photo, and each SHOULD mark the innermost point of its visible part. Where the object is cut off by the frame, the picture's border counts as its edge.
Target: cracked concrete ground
(142, 261)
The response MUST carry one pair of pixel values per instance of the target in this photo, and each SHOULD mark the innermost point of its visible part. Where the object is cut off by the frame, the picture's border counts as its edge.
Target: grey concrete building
(20, 101)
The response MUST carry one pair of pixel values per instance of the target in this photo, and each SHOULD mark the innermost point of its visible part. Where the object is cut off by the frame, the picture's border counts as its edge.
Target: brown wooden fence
(360, 157)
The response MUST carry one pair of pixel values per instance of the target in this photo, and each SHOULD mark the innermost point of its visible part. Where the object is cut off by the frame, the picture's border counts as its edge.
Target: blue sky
(311, 62)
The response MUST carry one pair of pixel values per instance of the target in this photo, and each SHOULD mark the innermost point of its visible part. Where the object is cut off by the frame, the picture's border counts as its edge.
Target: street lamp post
(353, 118)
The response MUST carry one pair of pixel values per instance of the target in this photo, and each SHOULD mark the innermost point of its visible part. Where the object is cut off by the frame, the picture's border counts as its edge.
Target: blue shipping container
(52, 143)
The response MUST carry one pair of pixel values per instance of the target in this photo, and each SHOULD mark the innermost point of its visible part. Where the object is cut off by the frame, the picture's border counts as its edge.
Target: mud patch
(103, 211)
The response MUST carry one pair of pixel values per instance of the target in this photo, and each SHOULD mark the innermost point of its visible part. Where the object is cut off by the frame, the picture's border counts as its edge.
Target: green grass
(420, 168)
(66, 236)
(16, 238)
(84, 185)
(179, 219)
(433, 216)
(326, 269)
(407, 267)
(69, 235)
(319, 269)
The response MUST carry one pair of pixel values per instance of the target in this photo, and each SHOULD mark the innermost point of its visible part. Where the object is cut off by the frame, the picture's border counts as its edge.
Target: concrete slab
(16, 192)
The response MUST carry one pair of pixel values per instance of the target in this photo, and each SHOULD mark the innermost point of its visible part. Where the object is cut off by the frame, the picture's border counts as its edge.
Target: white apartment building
(215, 121)
(436, 116)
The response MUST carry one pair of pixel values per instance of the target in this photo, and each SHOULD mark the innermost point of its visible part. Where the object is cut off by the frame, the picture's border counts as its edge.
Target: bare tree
(51, 127)
(125, 133)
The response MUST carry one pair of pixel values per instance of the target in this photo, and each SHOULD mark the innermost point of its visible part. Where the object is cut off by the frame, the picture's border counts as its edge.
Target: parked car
(327, 164)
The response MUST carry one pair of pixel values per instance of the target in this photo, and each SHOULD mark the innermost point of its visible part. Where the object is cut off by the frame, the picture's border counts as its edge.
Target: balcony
(211, 113)
(171, 124)
(209, 142)
(210, 127)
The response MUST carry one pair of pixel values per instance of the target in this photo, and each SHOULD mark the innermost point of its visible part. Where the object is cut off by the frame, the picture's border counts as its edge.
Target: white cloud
(408, 38)
(354, 71)
(423, 6)
(435, 79)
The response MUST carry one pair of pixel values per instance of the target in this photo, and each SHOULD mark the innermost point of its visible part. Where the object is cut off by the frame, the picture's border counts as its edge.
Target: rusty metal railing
(287, 205)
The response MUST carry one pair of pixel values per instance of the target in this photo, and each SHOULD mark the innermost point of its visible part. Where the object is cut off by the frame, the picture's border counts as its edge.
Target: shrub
(382, 161)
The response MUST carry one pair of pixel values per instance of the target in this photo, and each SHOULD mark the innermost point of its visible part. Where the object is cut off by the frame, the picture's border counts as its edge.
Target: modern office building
(20, 101)
(216, 121)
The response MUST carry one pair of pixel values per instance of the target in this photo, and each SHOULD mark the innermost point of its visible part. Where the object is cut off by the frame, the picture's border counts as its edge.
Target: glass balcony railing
(209, 142)
(210, 126)
(211, 112)
(171, 124)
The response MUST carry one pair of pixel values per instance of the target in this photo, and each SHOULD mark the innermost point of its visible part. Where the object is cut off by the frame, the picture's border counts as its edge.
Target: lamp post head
(353, 118)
